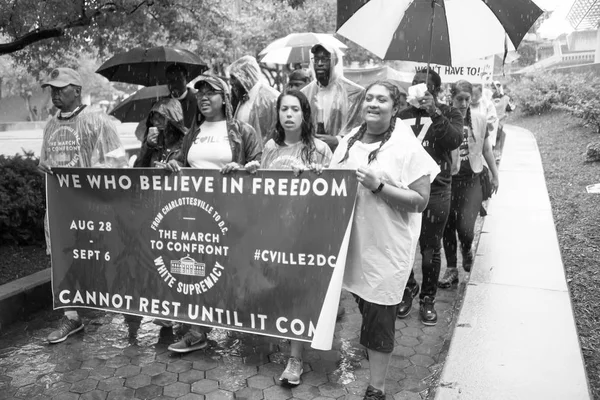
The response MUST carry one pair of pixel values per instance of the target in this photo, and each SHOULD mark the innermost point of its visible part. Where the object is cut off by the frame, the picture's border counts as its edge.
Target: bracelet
(379, 188)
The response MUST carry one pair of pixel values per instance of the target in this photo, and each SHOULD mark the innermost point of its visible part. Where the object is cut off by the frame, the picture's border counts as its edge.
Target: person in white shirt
(293, 146)
(216, 141)
(481, 103)
(394, 173)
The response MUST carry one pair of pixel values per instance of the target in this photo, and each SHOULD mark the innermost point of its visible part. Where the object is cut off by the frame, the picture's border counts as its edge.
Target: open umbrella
(445, 32)
(365, 76)
(295, 47)
(137, 106)
(146, 66)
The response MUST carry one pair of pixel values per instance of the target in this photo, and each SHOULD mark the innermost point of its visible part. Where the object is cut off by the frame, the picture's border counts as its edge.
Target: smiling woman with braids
(395, 174)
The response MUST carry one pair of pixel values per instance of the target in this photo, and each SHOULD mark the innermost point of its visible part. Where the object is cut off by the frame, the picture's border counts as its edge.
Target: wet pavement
(105, 363)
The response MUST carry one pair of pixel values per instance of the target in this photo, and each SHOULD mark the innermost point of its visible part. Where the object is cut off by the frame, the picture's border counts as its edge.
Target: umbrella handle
(433, 3)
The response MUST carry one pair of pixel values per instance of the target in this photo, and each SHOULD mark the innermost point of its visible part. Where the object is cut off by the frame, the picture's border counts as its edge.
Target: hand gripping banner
(261, 253)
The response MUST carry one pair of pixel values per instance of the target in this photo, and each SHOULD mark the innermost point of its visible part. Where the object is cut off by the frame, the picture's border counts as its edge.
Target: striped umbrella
(444, 32)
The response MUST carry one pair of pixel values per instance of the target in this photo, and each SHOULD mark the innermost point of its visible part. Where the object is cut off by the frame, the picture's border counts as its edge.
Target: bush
(576, 93)
(583, 100)
(22, 199)
(541, 93)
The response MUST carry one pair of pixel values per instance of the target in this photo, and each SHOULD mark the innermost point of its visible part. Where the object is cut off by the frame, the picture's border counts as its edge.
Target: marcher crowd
(421, 164)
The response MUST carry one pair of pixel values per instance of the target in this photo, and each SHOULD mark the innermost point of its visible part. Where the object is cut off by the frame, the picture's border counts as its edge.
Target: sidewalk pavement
(515, 337)
(103, 364)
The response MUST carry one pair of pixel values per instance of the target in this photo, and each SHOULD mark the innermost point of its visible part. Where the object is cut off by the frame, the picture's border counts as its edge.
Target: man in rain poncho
(334, 100)
(254, 101)
(75, 138)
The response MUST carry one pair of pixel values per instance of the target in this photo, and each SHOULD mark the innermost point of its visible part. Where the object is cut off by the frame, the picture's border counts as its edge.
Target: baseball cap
(213, 81)
(61, 77)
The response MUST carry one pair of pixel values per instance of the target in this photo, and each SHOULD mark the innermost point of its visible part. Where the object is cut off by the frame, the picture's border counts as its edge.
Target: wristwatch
(379, 188)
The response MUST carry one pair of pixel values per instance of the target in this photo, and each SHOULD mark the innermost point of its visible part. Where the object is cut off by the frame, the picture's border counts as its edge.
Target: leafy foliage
(540, 93)
(22, 198)
(576, 93)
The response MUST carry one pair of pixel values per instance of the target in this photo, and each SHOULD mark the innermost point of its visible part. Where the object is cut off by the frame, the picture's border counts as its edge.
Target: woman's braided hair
(463, 86)
(395, 96)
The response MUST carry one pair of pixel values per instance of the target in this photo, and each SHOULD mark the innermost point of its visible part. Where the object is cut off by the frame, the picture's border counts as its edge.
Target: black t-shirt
(439, 136)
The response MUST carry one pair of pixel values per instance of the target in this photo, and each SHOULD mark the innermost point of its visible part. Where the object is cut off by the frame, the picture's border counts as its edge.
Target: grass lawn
(19, 261)
(562, 142)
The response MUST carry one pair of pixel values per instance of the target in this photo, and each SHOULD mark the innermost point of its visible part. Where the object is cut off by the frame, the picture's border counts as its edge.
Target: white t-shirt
(287, 156)
(211, 148)
(383, 240)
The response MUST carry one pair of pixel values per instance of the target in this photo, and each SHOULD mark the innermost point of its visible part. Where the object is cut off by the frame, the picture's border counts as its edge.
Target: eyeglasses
(208, 93)
(323, 60)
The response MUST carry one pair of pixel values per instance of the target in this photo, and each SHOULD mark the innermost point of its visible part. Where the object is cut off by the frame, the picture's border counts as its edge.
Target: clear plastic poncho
(344, 109)
(262, 98)
(88, 139)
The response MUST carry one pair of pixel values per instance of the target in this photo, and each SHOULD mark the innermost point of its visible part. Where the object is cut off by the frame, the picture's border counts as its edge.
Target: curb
(24, 296)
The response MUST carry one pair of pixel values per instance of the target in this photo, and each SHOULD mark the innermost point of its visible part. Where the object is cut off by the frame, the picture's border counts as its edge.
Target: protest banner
(251, 253)
(402, 72)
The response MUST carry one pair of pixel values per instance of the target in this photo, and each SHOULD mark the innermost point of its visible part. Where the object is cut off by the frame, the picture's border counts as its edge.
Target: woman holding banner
(395, 173)
(216, 141)
(293, 146)
(467, 194)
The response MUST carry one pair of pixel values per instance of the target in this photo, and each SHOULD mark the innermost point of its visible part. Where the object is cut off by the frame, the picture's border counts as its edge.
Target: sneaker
(66, 328)
(374, 394)
(467, 260)
(191, 341)
(449, 279)
(292, 372)
(427, 311)
(407, 300)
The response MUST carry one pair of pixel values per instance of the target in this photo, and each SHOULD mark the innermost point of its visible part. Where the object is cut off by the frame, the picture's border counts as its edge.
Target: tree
(100, 22)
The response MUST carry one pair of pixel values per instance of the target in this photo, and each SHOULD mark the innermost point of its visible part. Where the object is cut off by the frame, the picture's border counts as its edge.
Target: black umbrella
(141, 66)
(137, 106)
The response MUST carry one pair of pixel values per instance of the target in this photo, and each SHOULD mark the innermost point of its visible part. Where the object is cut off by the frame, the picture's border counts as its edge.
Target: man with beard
(334, 100)
(75, 138)
(440, 129)
(254, 101)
